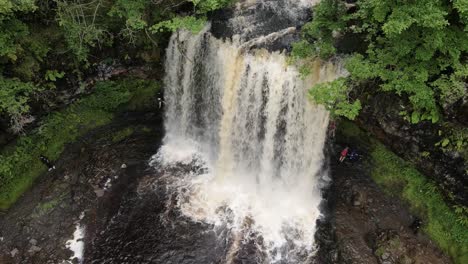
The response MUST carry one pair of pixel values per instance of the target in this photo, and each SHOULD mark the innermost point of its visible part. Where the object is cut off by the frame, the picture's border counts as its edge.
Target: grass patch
(442, 223)
(446, 225)
(20, 164)
(143, 94)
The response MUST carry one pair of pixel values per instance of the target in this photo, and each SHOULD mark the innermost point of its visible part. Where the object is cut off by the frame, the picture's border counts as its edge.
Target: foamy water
(244, 122)
(77, 244)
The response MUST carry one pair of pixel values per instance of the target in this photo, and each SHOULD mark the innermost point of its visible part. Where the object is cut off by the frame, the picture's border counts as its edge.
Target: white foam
(246, 118)
(77, 244)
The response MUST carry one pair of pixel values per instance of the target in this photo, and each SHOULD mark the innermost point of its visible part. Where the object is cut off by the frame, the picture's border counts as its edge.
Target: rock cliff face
(416, 143)
(262, 24)
(367, 226)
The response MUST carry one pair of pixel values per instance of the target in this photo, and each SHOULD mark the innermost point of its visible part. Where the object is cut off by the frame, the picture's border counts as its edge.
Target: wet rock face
(365, 225)
(251, 20)
(35, 230)
(382, 117)
(148, 229)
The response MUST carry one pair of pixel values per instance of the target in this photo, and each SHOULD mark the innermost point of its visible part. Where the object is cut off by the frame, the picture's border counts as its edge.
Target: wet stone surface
(366, 225)
(131, 216)
(137, 220)
(37, 227)
(266, 21)
(147, 229)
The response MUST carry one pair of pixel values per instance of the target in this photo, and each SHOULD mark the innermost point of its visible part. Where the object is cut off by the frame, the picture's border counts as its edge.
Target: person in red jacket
(344, 153)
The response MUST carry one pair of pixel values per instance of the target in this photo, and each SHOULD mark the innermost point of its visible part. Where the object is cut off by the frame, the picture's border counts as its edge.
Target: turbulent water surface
(244, 144)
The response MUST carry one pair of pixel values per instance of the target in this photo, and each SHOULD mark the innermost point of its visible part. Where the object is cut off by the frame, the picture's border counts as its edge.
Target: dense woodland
(416, 49)
(43, 42)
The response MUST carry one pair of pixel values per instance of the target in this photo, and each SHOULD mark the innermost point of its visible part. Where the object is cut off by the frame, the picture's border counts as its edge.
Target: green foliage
(447, 226)
(53, 75)
(415, 49)
(302, 49)
(77, 20)
(135, 14)
(108, 96)
(20, 164)
(318, 34)
(190, 23)
(9, 7)
(14, 96)
(43, 41)
(132, 12)
(204, 6)
(12, 32)
(454, 138)
(334, 96)
(143, 94)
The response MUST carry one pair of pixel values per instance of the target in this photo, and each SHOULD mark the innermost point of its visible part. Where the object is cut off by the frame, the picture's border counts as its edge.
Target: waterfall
(243, 121)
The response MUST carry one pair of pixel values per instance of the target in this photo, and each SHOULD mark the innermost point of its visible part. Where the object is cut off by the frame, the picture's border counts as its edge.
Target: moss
(348, 132)
(143, 94)
(146, 129)
(441, 222)
(20, 164)
(446, 225)
(122, 134)
(46, 207)
(380, 251)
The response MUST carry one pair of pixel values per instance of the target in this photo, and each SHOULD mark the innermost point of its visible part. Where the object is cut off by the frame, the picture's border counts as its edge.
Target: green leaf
(445, 142)
(415, 117)
(189, 23)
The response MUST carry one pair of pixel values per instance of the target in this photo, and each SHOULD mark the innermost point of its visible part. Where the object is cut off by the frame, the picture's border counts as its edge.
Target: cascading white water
(246, 119)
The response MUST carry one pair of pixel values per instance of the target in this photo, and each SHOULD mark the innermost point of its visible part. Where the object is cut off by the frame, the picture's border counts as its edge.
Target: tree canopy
(415, 49)
(43, 41)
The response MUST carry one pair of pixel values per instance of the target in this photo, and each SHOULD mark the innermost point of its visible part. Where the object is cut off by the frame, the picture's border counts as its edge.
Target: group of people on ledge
(351, 154)
(347, 152)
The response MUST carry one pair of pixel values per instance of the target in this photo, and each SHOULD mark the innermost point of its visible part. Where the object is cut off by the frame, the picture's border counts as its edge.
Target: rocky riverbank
(129, 216)
(91, 177)
(367, 225)
(435, 149)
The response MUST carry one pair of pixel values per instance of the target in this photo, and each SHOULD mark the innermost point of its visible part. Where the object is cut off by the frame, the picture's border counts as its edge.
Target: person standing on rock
(47, 162)
(160, 102)
(344, 153)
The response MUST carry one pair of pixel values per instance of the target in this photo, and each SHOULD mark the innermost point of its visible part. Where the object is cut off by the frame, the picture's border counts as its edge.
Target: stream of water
(240, 119)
